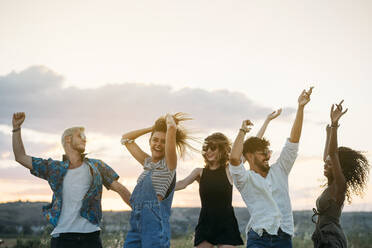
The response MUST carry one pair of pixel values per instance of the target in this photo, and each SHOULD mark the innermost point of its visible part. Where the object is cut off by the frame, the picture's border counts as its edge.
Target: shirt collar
(65, 159)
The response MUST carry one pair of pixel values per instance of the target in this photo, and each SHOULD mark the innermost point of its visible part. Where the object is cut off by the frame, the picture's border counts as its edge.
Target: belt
(79, 236)
(316, 214)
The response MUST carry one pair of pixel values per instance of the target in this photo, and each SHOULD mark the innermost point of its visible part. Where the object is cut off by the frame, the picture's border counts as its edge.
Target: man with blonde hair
(76, 182)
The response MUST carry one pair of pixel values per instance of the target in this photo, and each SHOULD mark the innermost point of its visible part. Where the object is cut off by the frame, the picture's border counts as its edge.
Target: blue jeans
(149, 220)
(282, 240)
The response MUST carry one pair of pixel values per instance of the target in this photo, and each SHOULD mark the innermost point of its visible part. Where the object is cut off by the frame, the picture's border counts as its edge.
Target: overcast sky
(114, 66)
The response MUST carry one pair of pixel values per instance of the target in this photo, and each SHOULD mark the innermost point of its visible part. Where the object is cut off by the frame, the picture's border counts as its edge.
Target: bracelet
(126, 141)
(16, 130)
(332, 126)
(243, 130)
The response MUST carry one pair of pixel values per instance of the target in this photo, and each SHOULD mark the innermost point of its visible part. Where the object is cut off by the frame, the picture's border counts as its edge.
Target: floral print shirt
(54, 171)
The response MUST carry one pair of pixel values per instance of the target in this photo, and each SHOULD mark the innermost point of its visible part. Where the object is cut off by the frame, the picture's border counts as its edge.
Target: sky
(115, 66)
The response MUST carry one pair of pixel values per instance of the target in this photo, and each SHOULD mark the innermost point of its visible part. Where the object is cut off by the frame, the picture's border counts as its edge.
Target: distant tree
(31, 243)
(8, 230)
(26, 230)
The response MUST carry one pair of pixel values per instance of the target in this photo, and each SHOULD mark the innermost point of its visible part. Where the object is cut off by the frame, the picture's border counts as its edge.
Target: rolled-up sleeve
(41, 167)
(239, 175)
(288, 156)
(108, 174)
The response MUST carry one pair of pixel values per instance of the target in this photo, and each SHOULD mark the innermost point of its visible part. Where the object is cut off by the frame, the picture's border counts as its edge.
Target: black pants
(77, 240)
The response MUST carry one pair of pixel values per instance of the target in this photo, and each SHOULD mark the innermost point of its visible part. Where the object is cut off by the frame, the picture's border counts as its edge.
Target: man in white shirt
(264, 188)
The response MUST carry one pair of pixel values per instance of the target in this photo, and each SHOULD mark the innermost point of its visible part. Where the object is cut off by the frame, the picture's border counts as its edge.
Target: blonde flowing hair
(182, 134)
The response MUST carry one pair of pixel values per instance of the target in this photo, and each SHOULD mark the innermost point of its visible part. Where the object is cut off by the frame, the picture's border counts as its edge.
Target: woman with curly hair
(152, 197)
(217, 225)
(346, 171)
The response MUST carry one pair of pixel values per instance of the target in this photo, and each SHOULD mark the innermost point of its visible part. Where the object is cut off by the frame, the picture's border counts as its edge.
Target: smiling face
(210, 152)
(328, 168)
(261, 159)
(157, 145)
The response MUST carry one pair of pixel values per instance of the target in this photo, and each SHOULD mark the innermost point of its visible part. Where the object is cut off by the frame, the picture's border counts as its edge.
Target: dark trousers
(77, 240)
(282, 240)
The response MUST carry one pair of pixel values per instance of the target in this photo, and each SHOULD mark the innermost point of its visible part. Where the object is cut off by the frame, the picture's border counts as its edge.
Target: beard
(262, 164)
(80, 149)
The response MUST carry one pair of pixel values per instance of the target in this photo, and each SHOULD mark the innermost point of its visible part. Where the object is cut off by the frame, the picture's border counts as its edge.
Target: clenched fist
(18, 119)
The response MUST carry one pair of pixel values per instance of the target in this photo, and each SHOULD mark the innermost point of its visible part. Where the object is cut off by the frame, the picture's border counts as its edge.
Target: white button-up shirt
(267, 198)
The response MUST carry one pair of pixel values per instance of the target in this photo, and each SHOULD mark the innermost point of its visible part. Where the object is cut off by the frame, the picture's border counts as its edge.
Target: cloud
(16, 172)
(115, 108)
(35, 143)
(5, 142)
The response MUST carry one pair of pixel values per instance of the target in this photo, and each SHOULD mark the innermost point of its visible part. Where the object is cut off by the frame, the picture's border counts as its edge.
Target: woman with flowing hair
(152, 197)
(217, 224)
(346, 171)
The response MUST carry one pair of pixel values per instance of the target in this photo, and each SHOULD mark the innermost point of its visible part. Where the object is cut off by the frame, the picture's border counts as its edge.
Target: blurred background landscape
(117, 65)
(22, 225)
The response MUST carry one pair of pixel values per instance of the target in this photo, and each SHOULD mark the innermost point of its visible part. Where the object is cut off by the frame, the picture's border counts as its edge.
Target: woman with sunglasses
(152, 197)
(217, 225)
(346, 171)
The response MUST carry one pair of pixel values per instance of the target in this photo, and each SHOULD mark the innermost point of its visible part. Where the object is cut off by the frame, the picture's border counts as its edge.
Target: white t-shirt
(75, 185)
(267, 199)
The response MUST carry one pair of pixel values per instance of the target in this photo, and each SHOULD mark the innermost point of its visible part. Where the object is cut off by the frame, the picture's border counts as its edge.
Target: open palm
(337, 112)
(274, 114)
(304, 98)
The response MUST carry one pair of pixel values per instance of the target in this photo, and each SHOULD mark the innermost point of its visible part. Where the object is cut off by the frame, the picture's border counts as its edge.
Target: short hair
(254, 144)
(69, 132)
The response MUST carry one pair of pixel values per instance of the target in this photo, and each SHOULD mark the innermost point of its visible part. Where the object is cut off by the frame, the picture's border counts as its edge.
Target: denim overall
(149, 220)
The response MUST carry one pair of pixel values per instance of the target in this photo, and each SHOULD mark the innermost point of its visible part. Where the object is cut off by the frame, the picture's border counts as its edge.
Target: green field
(116, 240)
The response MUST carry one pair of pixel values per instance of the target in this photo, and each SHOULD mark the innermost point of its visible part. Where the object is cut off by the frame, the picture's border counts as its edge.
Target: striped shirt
(162, 177)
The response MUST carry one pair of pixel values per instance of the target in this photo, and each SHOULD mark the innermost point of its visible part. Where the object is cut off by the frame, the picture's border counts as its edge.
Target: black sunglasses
(213, 147)
(265, 152)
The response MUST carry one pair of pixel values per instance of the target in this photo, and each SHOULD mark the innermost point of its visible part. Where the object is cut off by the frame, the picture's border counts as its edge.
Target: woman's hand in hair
(170, 121)
(336, 113)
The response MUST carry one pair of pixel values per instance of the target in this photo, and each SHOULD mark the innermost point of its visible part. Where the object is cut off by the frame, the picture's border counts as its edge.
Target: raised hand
(304, 98)
(274, 114)
(247, 126)
(169, 119)
(328, 129)
(336, 113)
(18, 119)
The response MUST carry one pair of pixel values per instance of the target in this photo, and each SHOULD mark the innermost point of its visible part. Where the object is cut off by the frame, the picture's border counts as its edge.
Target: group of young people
(76, 182)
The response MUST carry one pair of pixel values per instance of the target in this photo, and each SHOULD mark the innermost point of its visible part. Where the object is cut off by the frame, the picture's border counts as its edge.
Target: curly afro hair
(355, 168)
(224, 147)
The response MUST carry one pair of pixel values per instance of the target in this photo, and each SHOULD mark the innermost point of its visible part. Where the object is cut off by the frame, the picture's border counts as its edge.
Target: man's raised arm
(18, 148)
(237, 148)
(303, 99)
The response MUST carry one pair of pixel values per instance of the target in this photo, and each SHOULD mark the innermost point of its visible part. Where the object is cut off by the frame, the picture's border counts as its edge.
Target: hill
(15, 217)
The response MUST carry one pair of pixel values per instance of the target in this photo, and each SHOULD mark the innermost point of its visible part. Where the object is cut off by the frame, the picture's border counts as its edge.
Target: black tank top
(215, 190)
(217, 223)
